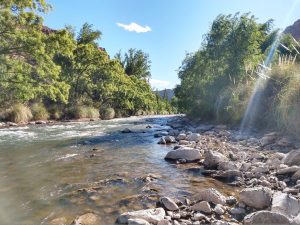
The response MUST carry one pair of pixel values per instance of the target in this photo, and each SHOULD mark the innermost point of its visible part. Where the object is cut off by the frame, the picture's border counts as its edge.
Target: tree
(135, 63)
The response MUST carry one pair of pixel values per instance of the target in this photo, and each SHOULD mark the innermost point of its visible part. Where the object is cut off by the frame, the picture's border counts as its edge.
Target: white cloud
(134, 27)
(159, 84)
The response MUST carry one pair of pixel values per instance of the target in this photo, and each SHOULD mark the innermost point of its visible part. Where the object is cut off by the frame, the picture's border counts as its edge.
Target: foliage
(227, 58)
(39, 111)
(107, 113)
(82, 112)
(18, 113)
(135, 63)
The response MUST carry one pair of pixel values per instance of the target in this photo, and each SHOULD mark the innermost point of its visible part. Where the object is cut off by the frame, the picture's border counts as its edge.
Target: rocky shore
(264, 169)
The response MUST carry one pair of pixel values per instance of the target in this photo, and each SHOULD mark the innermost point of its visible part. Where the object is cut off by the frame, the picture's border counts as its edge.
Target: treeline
(46, 73)
(217, 80)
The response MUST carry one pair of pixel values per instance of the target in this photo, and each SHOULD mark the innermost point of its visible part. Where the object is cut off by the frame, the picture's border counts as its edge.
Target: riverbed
(68, 169)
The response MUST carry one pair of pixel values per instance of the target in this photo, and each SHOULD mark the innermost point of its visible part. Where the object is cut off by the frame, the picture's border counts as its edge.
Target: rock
(11, 124)
(173, 133)
(40, 122)
(231, 200)
(183, 142)
(296, 175)
(150, 215)
(237, 211)
(267, 139)
(162, 141)
(225, 165)
(194, 137)
(228, 174)
(202, 207)
(137, 222)
(219, 209)
(169, 204)
(259, 197)
(87, 219)
(170, 139)
(213, 159)
(211, 195)
(58, 221)
(292, 158)
(266, 218)
(296, 220)
(189, 154)
(288, 170)
(285, 204)
(181, 136)
(284, 142)
(164, 222)
(126, 130)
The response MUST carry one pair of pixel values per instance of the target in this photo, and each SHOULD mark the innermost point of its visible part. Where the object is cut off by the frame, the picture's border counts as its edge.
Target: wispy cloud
(159, 84)
(134, 27)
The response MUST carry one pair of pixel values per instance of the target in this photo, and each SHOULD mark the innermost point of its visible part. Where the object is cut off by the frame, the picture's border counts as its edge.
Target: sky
(165, 29)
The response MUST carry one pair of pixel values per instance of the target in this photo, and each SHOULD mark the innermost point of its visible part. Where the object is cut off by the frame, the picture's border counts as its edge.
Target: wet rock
(127, 130)
(292, 158)
(259, 197)
(11, 124)
(58, 221)
(137, 222)
(266, 218)
(150, 215)
(189, 154)
(162, 141)
(211, 195)
(285, 204)
(40, 122)
(170, 139)
(237, 211)
(202, 207)
(87, 219)
(169, 204)
(231, 200)
(213, 159)
(194, 137)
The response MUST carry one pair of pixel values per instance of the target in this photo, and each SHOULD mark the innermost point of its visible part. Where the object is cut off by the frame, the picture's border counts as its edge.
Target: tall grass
(82, 112)
(39, 112)
(18, 113)
(107, 113)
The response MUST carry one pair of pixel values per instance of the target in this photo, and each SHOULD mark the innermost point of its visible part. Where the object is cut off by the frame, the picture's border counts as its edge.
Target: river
(68, 169)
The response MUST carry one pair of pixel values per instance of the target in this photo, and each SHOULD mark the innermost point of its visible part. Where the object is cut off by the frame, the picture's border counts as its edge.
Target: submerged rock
(189, 154)
(149, 215)
(87, 219)
(266, 218)
(259, 197)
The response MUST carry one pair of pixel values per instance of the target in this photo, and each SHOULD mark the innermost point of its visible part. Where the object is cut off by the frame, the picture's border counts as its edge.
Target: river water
(68, 169)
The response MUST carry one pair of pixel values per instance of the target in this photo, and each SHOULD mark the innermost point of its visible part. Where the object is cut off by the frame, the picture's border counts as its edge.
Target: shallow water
(52, 171)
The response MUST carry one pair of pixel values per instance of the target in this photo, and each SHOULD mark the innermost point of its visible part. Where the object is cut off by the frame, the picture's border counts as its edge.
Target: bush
(55, 112)
(39, 112)
(107, 113)
(81, 112)
(18, 113)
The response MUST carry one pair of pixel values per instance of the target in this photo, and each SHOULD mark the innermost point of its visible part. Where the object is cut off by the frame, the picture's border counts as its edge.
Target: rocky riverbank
(264, 169)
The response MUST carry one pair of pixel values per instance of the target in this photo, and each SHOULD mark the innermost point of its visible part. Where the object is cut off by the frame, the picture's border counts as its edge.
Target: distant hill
(294, 30)
(169, 93)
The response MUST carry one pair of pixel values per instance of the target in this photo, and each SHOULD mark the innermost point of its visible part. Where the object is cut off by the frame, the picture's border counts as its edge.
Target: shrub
(107, 113)
(55, 112)
(80, 112)
(39, 112)
(18, 113)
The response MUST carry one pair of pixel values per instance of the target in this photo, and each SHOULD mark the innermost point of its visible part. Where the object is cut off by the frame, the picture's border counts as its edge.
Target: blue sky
(167, 28)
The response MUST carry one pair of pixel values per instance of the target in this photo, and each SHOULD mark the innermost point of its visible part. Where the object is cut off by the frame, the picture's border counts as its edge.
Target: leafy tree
(135, 63)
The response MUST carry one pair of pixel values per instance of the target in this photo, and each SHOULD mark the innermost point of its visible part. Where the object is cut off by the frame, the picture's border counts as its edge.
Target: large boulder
(189, 154)
(266, 218)
(211, 195)
(150, 215)
(285, 204)
(169, 203)
(87, 219)
(292, 158)
(288, 170)
(213, 159)
(259, 197)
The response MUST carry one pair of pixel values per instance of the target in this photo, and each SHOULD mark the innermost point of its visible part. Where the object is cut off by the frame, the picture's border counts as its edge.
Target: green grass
(39, 112)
